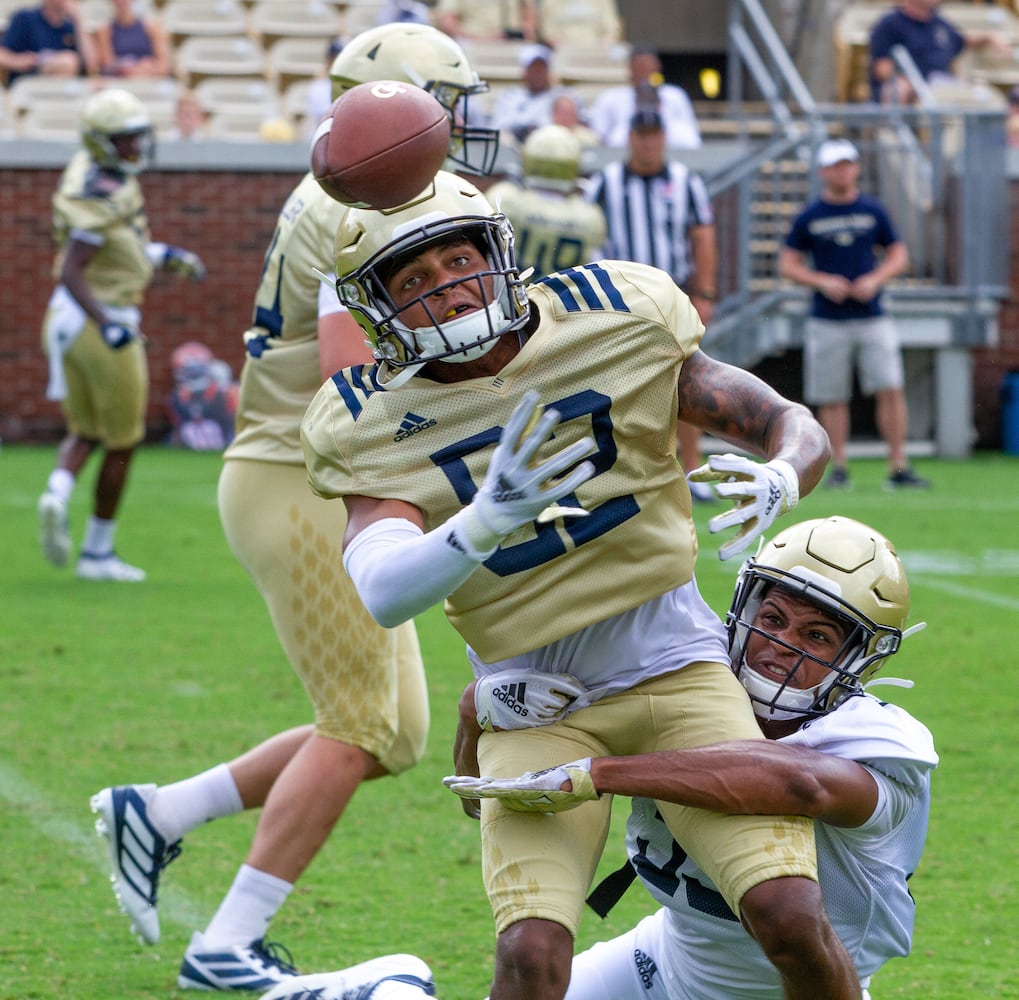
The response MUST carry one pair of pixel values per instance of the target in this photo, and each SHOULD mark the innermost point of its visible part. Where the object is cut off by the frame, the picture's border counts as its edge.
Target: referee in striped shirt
(657, 211)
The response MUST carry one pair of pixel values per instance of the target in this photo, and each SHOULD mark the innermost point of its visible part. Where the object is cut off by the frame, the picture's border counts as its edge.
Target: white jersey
(696, 949)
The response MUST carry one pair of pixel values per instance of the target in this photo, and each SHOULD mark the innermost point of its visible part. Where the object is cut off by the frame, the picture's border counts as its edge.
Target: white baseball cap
(835, 151)
(529, 53)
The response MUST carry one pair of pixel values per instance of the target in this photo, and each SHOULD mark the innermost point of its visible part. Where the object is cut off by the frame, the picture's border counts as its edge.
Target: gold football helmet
(849, 570)
(369, 242)
(106, 117)
(430, 59)
(551, 158)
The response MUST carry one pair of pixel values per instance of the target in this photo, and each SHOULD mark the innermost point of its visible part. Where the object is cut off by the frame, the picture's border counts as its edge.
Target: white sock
(99, 536)
(61, 482)
(178, 808)
(247, 909)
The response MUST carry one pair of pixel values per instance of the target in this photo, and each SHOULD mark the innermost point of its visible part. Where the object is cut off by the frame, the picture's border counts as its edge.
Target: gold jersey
(281, 372)
(551, 231)
(607, 354)
(109, 206)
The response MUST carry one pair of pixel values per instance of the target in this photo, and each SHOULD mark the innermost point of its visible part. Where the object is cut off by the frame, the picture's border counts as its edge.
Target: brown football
(381, 144)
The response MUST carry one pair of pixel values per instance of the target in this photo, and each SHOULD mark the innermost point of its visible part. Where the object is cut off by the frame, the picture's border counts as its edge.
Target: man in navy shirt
(931, 41)
(831, 249)
(47, 39)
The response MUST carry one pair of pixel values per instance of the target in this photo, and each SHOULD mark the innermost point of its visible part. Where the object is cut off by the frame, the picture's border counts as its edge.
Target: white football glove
(515, 492)
(522, 699)
(760, 491)
(535, 791)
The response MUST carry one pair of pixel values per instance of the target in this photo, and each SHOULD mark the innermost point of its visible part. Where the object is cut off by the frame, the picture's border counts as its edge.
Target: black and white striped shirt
(648, 217)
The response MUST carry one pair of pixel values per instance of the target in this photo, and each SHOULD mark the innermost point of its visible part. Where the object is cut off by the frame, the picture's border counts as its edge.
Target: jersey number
(548, 544)
(547, 256)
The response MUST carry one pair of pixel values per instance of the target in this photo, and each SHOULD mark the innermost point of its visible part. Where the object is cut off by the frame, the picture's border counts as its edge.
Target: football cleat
(138, 853)
(257, 966)
(906, 479)
(54, 535)
(108, 566)
(390, 977)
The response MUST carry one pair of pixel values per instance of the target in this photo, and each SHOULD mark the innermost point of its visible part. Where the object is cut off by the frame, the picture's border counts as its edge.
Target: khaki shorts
(367, 683)
(830, 348)
(107, 390)
(538, 866)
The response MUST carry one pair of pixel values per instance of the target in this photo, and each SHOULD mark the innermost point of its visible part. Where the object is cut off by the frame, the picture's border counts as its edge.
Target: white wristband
(791, 481)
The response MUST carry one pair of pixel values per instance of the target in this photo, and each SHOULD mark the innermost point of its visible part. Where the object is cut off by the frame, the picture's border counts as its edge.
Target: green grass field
(107, 683)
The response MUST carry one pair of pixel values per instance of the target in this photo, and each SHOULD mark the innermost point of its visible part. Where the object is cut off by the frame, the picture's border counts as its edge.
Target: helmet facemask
(865, 643)
(454, 339)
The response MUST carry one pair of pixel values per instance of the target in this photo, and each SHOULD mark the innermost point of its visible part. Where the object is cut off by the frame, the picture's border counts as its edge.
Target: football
(381, 144)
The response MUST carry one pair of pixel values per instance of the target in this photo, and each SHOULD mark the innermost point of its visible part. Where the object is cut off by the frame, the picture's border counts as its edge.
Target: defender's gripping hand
(760, 492)
(521, 699)
(515, 492)
(535, 791)
(185, 263)
(117, 335)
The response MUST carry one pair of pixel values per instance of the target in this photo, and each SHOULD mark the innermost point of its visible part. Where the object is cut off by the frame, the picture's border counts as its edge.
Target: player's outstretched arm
(400, 571)
(738, 407)
(750, 777)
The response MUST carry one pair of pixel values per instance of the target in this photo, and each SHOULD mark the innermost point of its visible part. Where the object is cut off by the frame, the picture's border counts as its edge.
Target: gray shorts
(830, 348)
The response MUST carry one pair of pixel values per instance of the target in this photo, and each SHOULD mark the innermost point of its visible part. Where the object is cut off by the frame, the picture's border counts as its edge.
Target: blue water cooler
(1010, 413)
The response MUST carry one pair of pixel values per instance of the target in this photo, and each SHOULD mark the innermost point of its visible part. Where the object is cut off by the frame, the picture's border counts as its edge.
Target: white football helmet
(369, 242)
(551, 158)
(430, 59)
(107, 116)
(849, 570)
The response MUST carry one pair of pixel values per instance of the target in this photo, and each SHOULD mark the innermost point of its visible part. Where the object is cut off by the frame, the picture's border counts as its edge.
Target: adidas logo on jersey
(512, 696)
(412, 424)
(646, 968)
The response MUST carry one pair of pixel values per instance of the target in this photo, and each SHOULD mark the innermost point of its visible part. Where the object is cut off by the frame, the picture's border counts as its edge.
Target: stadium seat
(592, 64)
(52, 121)
(235, 55)
(217, 94)
(185, 19)
(150, 89)
(272, 20)
(291, 59)
(27, 92)
(360, 15)
(496, 60)
(247, 125)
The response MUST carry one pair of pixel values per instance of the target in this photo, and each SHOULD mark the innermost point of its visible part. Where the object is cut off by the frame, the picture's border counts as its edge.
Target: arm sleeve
(399, 571)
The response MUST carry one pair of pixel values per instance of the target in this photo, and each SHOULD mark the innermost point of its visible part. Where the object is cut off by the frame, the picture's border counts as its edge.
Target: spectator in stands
(831, 249)
(1012, 121)
(131, 45)
(49, 40)
(567, 110)
(578, 22)
(485, 20)
(189, 119)
(932, 41)
(406, 11)
(522, 108)
(554, 228)
(614, 107)
(658, 212)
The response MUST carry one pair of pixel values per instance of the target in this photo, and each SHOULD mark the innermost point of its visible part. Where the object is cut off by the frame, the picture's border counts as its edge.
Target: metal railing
(940, 169)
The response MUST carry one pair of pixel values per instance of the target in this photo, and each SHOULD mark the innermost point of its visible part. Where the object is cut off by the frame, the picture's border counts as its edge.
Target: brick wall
(228, 218)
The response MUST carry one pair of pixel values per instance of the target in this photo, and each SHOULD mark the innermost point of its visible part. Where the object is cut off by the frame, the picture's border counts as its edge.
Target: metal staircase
(941, 170)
